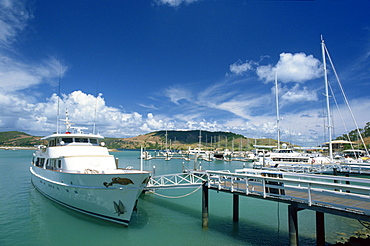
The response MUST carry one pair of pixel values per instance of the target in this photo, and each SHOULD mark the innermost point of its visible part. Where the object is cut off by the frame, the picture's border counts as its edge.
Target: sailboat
(282, 157)
(355, 156)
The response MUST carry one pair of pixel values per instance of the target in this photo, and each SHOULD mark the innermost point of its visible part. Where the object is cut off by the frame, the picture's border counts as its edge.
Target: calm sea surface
(28, 218)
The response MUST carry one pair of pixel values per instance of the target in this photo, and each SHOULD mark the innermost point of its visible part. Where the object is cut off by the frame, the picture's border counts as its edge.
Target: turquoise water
(28, 218)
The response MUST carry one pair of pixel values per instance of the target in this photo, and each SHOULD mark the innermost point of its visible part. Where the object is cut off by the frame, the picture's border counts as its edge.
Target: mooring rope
(178, 196)
(364, 224)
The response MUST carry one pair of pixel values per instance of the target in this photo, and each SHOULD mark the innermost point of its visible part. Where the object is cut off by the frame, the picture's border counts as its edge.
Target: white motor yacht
(77, 171)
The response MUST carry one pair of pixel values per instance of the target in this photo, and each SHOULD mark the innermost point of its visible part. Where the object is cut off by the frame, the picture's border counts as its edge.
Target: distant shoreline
(34, 148)
(16, 148)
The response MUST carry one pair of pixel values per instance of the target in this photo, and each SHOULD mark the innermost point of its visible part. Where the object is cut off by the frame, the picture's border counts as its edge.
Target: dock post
(335, 173)
(347, 182)
(204, 206)
(320, 229)
(293, 225)
(235, 208)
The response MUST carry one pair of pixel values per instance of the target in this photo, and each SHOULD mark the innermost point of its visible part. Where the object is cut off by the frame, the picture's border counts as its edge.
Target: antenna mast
(277, 110)
(58, 116)
(96, 105)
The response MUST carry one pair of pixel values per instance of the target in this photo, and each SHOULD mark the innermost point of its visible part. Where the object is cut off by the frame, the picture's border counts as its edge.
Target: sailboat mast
(277, 110)
(200, 139)
(327, 97)
(166, 139)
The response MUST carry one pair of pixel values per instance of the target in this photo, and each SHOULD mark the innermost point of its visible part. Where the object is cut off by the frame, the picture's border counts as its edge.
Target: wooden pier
(343, 196)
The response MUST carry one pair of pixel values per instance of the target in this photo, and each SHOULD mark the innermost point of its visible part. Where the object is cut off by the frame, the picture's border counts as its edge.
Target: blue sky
(148, 65)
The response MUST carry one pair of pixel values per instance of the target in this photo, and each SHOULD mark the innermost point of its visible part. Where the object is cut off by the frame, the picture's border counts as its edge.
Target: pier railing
(335, 192)
(340, 193)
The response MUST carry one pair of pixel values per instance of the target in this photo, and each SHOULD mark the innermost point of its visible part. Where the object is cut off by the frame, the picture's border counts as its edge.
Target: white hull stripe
(80, 186)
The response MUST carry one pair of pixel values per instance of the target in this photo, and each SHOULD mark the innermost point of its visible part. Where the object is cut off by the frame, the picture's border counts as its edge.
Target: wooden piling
(293, 225)
(235, 208)
(320, 229)
(204, 206)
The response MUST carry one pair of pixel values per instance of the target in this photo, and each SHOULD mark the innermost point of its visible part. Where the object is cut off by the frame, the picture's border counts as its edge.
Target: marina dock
(324, 194)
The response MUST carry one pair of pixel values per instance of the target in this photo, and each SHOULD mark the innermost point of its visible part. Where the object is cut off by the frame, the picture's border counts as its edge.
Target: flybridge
(73, 136)
(70, 139)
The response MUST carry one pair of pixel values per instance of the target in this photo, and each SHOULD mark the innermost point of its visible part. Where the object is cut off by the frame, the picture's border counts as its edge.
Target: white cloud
(175, 3)
(42, 117)
(151, 106)
(241, 108)
(239, 67)
(15, 75)
(236, 98)
(13, 19)
(202, 125)
(297, 67)
(358, 71)
(176, 94)
(152, 123)
(295, 95)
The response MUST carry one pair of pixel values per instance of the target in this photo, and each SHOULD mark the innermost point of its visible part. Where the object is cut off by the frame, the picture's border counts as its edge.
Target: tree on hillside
(367, 130)
(353, 135)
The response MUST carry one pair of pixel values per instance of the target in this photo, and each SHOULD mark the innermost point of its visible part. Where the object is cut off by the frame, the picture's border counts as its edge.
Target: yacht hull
(111, 196)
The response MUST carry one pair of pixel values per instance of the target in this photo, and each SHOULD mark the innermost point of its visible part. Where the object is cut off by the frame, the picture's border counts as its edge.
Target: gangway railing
(177, 180)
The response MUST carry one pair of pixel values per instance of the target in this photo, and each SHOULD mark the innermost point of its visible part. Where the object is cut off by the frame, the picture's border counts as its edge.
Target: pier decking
(344, 196)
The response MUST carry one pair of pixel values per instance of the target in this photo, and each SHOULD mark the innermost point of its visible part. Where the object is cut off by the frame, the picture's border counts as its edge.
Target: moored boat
(77, 171)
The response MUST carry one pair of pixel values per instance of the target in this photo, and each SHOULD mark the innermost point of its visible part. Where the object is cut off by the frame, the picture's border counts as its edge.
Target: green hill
(180, 140)
(15, 138)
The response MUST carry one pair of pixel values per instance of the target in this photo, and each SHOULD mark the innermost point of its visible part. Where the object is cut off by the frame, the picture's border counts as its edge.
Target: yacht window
(52, 143)
(67, 140)
(53, 164)
(81, 140)
(40, 162)
(93, 140)
(49, 164)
